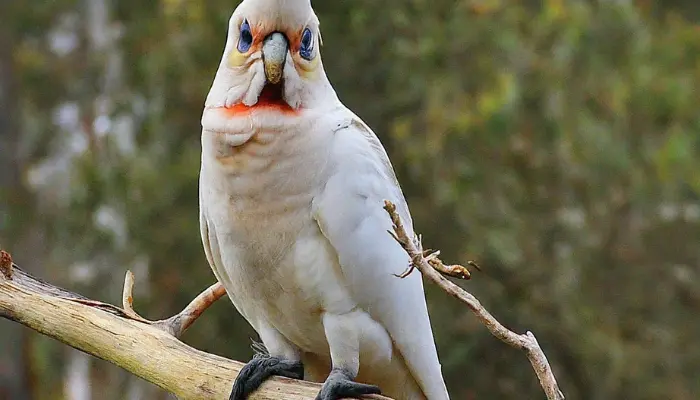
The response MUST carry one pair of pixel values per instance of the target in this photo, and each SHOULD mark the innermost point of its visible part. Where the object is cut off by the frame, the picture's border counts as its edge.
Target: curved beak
(274, 55)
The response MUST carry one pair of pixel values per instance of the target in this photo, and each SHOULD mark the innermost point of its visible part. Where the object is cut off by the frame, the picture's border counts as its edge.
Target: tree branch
(431, 267)
(146, 349)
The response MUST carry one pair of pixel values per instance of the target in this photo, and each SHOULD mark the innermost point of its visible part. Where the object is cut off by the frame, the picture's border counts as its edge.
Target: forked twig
(431, 267)
(455, 271)
(177, 324)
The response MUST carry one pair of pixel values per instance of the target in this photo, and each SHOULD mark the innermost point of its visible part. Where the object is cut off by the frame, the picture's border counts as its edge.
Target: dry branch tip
(128, 299)
(179, 323)
(475, 265)
(455, 271)
(407, 272)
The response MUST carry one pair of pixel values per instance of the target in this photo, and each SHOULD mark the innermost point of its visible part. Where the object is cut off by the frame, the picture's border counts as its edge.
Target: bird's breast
(277, 266)
(256, 198)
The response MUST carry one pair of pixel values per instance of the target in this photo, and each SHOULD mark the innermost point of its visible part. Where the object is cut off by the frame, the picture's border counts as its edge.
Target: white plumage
(292, 221)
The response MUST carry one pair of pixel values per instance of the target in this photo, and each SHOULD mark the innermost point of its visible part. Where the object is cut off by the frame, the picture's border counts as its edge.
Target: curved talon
(261, 368)
(339, 385)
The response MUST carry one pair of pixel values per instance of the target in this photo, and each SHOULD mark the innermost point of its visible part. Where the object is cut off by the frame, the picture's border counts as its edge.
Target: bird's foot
(340, 385)
(259, 369)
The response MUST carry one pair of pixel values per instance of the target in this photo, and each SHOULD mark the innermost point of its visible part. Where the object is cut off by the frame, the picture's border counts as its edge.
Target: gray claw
(258, 370)
(339, 385)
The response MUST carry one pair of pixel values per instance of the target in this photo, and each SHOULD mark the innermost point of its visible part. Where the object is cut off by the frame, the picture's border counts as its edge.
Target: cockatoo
(292, 189)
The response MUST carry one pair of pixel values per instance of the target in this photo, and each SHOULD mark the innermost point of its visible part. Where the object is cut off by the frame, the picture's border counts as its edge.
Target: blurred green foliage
(555, 142)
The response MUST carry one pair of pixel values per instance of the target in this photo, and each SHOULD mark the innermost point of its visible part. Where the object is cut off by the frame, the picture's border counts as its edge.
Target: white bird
(292, 188)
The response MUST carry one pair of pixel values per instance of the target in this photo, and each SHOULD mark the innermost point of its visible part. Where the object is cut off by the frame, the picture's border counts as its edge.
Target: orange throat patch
(270, 98)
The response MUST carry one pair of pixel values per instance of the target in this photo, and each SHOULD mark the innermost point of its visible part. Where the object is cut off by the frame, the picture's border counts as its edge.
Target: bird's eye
(306, 50)
(245, 39)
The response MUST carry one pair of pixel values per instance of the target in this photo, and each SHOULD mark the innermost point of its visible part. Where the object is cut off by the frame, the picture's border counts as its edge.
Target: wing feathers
(351, 215)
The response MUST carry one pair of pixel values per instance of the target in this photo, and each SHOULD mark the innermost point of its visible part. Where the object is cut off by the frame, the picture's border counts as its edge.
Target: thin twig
(177, 324)
(128, 299)
(455, 271)
(432, 270)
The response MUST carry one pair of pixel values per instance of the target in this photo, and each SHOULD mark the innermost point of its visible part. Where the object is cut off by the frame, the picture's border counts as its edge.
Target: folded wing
(350, 214)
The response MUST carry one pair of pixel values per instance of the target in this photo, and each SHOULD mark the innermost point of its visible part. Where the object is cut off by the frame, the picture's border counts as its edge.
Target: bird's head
(271, 61)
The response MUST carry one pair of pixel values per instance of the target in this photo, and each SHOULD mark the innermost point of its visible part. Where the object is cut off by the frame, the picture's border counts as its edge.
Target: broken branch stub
(6, 264)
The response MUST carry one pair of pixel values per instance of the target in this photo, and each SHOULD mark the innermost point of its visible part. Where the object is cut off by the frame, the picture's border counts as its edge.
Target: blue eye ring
(245, 39)
(306, 48)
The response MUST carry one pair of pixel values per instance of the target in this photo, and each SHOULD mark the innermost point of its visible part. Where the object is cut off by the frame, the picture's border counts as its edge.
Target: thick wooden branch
(146, 349)
(432, 268)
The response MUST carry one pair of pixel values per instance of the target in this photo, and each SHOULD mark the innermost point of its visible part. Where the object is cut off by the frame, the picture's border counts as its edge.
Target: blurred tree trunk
(9, 134)
(77, 380)
(14, 354)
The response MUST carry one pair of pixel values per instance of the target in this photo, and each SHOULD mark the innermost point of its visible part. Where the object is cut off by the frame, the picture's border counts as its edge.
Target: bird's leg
(263, 366)
(343, 339)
